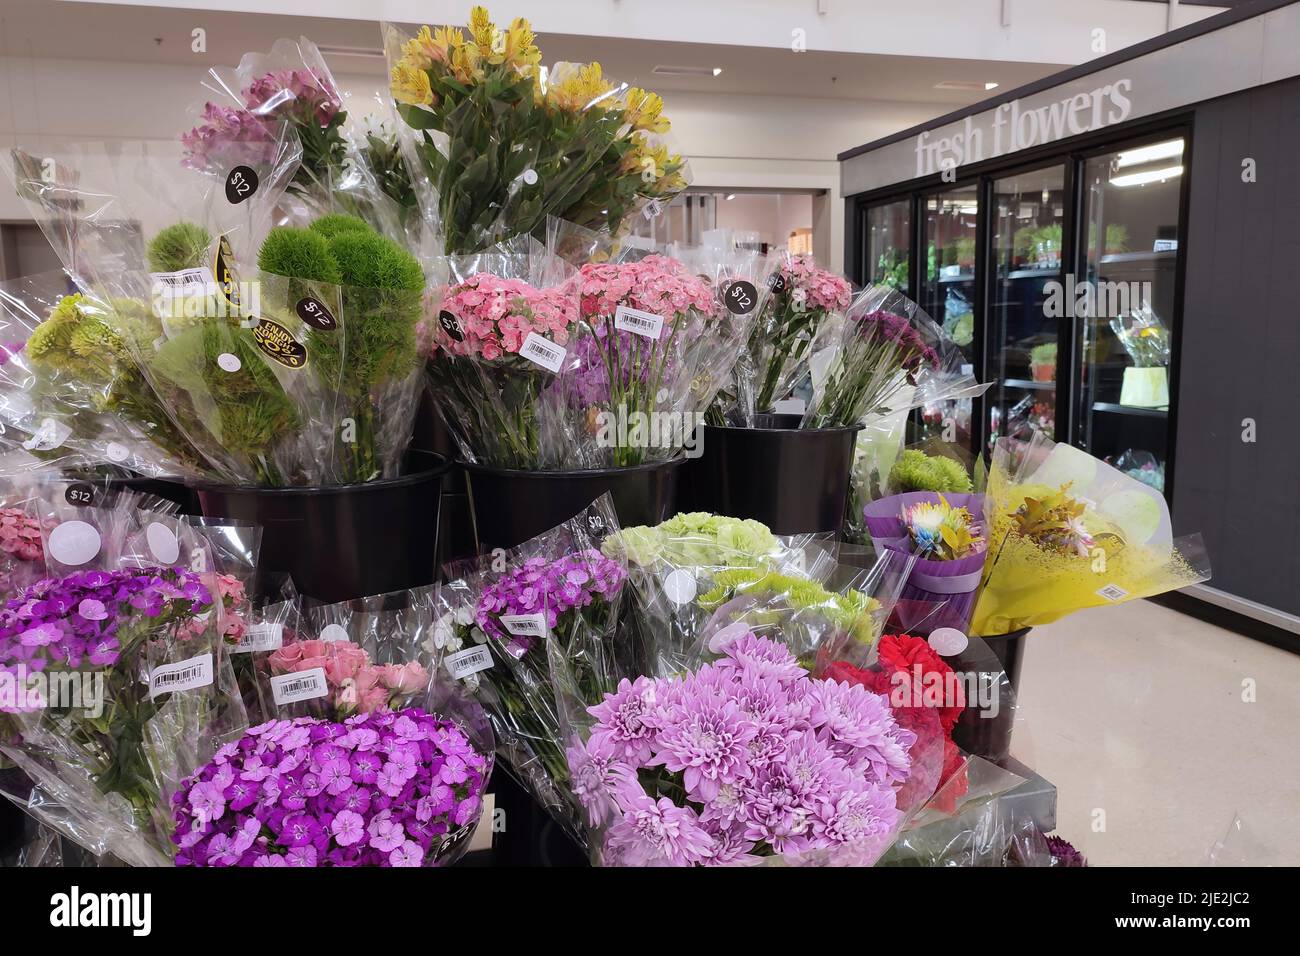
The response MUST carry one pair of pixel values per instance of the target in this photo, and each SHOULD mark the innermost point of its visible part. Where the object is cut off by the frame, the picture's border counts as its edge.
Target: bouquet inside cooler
(1066, 531)
(505, 613)
(501, 330)
(803, 297)
(1144, 336)
(500, 142)
(124, 684)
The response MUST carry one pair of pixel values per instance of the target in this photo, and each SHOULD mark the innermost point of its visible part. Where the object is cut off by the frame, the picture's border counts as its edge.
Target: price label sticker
(185, 283)
(80, 494)
(302, 685)
(469, 661)
(241, 183)
(264, 636)
(333, 632)
(645, 324)
(451, 325)
(183, 675)
(741, 297)
(525, 625)
(313, 312)
(543, 352)
(1113, 593)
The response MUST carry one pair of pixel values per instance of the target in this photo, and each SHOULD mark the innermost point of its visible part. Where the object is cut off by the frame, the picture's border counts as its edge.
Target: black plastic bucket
(345, 541)
(511, 506)
(793, 480)
(986, 731)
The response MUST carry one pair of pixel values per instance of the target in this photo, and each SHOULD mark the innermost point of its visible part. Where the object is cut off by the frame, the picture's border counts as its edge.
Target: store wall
(785, 142)
(1241, 346)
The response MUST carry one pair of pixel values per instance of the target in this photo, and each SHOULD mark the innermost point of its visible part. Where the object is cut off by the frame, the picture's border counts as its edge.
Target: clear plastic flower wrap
(69, 395)
(121, 685)
(883, 355)
(292, 83)
(502, 325)
(498, 142)
(656, 342)
(357, 299)
(1067, 531)
(505, 612)
(802, 297)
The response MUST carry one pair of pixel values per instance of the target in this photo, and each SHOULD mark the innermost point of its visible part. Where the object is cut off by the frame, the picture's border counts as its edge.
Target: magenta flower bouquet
(742, 760)
(803, 296)
(501, 332)
(380, 789)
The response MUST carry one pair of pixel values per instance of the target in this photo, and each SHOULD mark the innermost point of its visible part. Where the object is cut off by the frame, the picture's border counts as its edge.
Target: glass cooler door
(889, 233)
(1029, 213)
(947, 291)
(1132, 217)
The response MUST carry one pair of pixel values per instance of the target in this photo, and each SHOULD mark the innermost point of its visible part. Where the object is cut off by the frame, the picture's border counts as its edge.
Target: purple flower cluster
(634, 360)
(227, 136)
(380, 789)
(553, 588)
(80, 619)
(887, 327)
(298, 95)
(754, 758)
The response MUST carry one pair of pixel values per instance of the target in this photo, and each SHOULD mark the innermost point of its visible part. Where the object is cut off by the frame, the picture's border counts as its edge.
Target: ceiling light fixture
(1150, 176)
(730, 196)
(966, 85)
(990, 86)
(370, 52)
(687, 70)
(1147, 154)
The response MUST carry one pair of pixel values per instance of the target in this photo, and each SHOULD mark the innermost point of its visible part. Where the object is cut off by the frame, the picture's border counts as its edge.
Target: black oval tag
(80, 494)
(312, 311)
(776, 282)
(276, 341)
(451, 325)
(241, 182)
(741, 297)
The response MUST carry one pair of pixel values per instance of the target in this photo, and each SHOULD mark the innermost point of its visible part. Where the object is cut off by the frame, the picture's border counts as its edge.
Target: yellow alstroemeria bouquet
(1067, 531)
(520, 142)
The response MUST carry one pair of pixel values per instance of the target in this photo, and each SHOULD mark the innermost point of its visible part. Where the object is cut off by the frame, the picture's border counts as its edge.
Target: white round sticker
(530, 177)
(679, 586)
(334, 632)
(117, 452)
(162, 543)
(229, 362)
(74, 543)
(948, 641)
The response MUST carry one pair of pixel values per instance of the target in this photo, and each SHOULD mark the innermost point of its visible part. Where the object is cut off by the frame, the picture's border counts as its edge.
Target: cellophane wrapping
(126, 684)
(497, 142)
(506, 612)
(1067, 531)
(502, 325)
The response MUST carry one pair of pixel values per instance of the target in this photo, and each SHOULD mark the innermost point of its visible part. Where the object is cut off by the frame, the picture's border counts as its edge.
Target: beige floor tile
(1141, 717)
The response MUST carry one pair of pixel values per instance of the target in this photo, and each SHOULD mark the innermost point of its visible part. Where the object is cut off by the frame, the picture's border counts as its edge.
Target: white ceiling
(94, 31)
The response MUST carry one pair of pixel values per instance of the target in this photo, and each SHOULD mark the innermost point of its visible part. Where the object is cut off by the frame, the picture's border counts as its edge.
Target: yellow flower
(645, 111)
(426, 49)
(410, 85)
(481, 28)
(520, 49)
(581, 86)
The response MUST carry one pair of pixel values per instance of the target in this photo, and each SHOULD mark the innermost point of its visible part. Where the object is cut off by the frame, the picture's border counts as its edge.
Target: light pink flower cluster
(299, 95)
(356, 684)
(492, 316)
(656, 284)
(227, 136)
(818, 289)
(20, 535)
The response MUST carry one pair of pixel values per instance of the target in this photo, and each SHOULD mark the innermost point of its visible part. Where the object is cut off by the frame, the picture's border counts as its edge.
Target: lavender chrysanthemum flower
(857, 816)
(657, 832)
(859, 726)
(622, 720)
(707, 738)
(761, 656)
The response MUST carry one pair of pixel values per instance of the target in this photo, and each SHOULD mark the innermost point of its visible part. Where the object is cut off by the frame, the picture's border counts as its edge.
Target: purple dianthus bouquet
(396, 788)
(743, 759)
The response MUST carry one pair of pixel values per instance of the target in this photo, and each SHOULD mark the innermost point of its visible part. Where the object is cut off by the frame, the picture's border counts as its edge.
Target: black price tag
(741, 297)
(312, 311)
(240, 184)
(451, 325)
(80, 494)
(776, 282)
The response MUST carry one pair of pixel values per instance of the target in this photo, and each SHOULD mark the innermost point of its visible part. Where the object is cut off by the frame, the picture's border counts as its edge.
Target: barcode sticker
(183, 675)
(543, 352)
(185, 283)
(266, 636)
(645, 324)
(525, 625)
(303, 685)
(469, 661)
(1113, 592)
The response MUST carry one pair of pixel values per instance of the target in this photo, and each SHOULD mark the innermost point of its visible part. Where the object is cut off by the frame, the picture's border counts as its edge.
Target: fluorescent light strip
(1147, 154)
(1150, 176)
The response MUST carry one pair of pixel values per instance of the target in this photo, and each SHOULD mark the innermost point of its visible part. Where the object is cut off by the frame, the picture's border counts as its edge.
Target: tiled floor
(1144, 720)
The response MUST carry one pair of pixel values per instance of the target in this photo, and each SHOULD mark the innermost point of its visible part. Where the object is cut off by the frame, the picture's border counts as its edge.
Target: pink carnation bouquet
(344, 678)
(500, 338)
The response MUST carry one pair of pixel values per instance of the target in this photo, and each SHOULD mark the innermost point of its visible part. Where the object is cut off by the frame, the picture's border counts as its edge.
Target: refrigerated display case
(889, 238)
